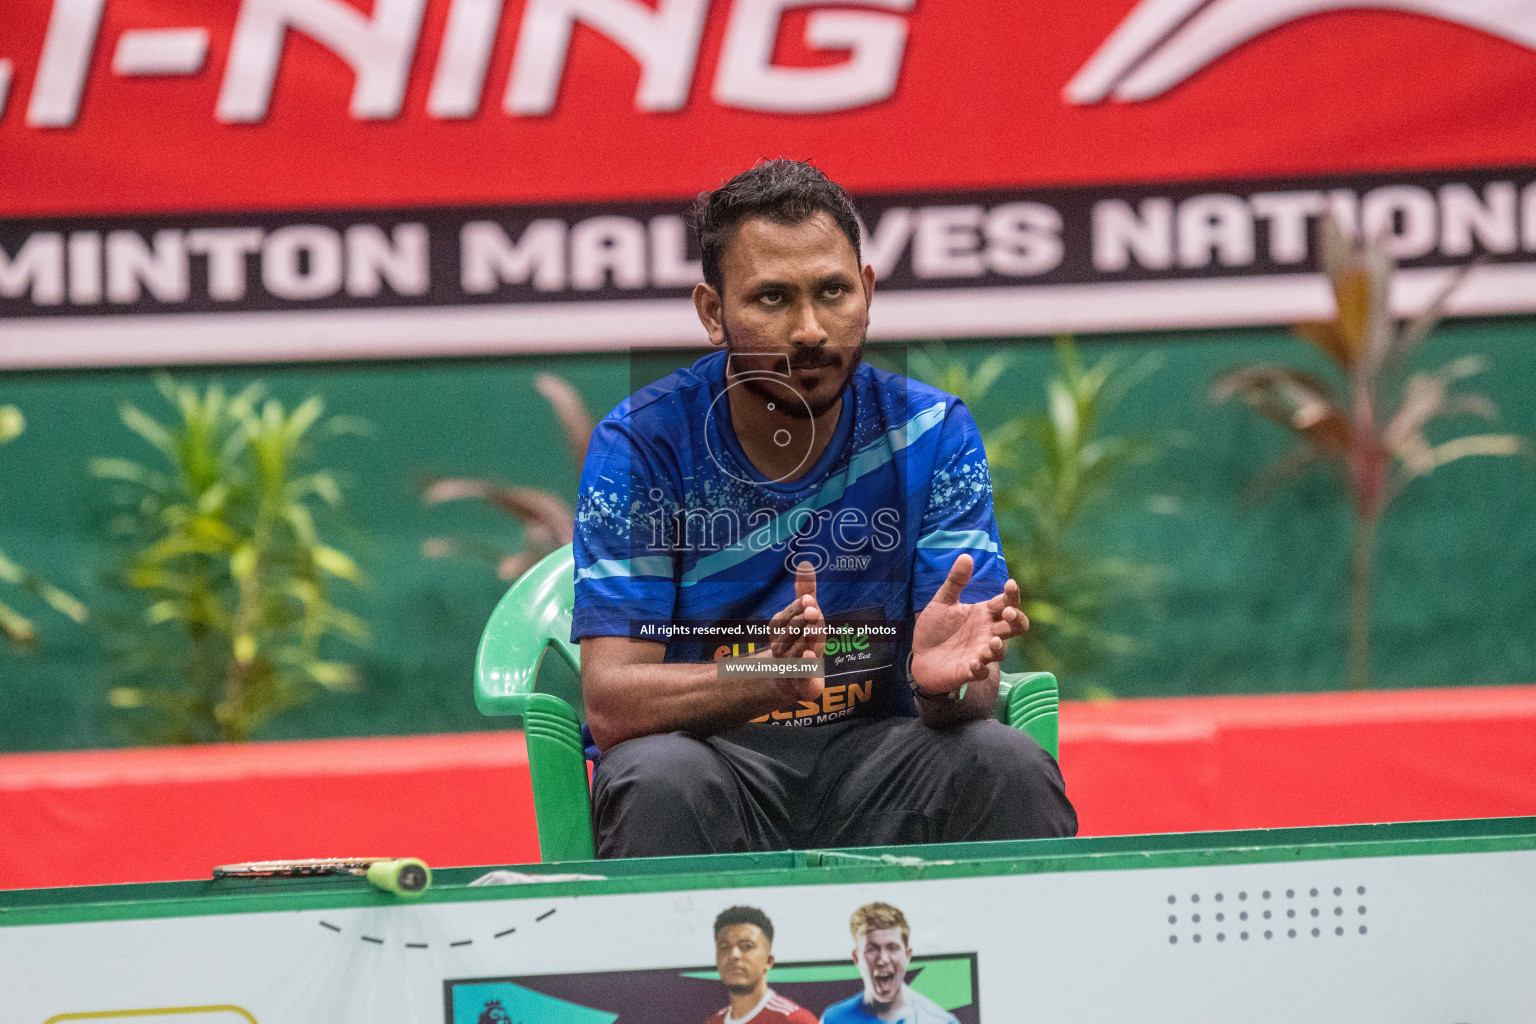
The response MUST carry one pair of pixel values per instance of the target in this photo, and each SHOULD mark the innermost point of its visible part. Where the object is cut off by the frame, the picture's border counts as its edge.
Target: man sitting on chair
(782, 499)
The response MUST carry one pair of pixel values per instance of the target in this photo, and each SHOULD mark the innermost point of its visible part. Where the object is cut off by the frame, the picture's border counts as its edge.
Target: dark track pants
(881, 782)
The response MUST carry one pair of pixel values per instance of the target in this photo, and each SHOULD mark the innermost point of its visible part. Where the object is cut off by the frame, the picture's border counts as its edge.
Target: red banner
(215, 116)
(1178, 764)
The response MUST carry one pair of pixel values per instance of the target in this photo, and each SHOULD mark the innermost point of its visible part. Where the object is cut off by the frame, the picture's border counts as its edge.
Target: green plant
(1051, 474)
(1371, 427)
(17, 628)
(547, 520)
(225, 562)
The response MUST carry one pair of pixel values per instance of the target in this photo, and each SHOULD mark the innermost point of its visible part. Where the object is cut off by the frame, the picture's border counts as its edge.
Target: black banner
(938, 257)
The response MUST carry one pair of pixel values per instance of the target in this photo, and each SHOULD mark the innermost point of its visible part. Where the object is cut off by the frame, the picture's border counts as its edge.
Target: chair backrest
(533, 616)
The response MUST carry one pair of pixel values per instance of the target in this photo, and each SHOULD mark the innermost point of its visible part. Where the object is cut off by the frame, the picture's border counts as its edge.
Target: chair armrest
(1030, 701)
(557, 770)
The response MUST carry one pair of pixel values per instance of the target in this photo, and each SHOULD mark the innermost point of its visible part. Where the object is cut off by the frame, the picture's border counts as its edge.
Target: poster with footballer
(1439, 938)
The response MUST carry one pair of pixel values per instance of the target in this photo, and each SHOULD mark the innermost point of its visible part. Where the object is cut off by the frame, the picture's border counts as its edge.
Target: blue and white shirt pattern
(919, 1009)
(676, 527)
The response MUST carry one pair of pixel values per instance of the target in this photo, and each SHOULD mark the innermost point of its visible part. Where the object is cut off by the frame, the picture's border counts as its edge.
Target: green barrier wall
(1252, 596)
(1428, 922)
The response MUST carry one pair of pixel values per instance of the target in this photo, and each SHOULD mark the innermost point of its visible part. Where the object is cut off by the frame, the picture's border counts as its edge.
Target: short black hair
(744, 915)
(783, 191)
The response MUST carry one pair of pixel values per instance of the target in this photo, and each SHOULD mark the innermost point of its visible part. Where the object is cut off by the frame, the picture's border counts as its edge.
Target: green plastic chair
(535, 616)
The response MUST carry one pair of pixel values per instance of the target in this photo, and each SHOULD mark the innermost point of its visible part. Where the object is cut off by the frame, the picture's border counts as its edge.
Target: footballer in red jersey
(743, 955)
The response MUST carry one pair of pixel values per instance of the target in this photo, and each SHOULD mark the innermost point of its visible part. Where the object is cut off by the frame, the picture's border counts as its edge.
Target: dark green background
(1252, 596)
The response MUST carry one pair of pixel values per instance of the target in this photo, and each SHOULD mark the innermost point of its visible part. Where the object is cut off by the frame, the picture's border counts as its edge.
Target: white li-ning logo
(1163, 42)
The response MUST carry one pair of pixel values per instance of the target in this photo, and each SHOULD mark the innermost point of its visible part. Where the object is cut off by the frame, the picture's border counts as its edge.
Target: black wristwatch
(948, 697)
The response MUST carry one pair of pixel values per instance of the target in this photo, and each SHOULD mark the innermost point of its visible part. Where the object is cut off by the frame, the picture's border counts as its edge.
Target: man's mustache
(811, 359)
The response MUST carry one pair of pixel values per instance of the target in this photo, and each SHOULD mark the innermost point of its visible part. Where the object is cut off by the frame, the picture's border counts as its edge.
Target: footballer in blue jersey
(882, 950)
(790, 591)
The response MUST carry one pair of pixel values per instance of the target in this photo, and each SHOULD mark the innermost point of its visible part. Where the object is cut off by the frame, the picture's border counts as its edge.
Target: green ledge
(793, 867)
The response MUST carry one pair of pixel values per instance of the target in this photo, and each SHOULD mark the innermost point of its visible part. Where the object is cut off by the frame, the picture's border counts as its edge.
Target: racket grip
(406, 877)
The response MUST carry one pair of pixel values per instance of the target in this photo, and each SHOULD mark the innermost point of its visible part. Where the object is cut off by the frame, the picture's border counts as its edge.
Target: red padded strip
(1133, 766)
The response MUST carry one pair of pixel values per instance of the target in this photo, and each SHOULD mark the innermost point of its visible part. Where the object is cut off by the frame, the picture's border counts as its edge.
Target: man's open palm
(953, 643)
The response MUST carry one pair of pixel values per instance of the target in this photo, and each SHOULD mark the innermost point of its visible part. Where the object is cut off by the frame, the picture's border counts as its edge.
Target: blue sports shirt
(678, 534)
(919, 1010)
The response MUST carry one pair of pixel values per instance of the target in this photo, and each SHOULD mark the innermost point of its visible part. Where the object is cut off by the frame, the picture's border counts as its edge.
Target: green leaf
(307, 591)
(168, 610)
(12, 423)
(244, 648)
(242, 563)
(58, 600)
(170, 390)
(337, 564)
(40, 588)
(17, 628)
(322, 484)
(303, 418)
(149, 429)
(1063, 412)
(213, 500)
(303, 524)
(988, 372)
(127, 471)
(346, 623)
(126, 697)
(149, 576)
(211, 532)
(1067, 359)
(333, 675)
(243, 405)
(1042, 612)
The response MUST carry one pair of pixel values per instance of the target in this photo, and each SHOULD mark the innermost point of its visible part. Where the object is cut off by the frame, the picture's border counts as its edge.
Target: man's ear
(867, 276)
(711, 312)
(771, 961)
